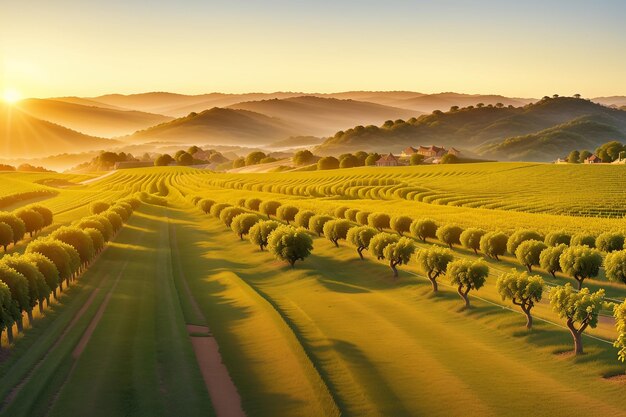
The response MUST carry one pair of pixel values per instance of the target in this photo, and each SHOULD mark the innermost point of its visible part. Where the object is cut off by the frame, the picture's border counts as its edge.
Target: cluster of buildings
(594, 159)
(432, 155)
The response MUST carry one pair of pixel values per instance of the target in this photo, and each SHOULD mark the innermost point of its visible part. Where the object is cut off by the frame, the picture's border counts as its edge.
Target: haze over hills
(482, 129)
(323, 116)
(217, 126)
(91, 120)
(24, 136)
(615, 101)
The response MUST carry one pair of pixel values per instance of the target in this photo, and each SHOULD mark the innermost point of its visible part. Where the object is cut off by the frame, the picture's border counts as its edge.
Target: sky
(515, 48)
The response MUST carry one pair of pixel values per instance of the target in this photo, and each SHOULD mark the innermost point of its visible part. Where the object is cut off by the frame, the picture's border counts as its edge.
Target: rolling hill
(92, 120)
(615, 101)
(443, 101)
(483, 128)
(322, 116)
(217, 126)
(25, 136)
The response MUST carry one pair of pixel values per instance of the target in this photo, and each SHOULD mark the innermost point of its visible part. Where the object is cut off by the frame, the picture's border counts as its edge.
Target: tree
(583, 156)
(253, 204)
(6, 235)
(449, 159)
(619, 312)
(361, 217)
(242, 223)
(289, 244)
(520, 236)
(47, 269)
(557, 238)
(33, 221)
(6, 307)
(163, 160)
(38, 290)
(416, 159)
(304, 157)
(528, 252)
(573, 157)
(239, 162)
(493, 244)
(583, 239)
(185, 159)
(255, 157)
(434, 262)
(216, 209)
(55, 252)
(522, 289)
(423, 229)
(580, 307)
(259, 233)
(350, 214)
(401, 224)
(379, 242)
(327, 162)
(303, 217)
(580, 262)
(360, 237)
(609, 242)
(449, 234)
(78, 239)
(18, 285)
(399, 253)
(205, 205)
(337, 229)
(99, 223)
(577, 96)
(269, 208)
(316, 223)
(97, 240)
(17, 225)
(371, 160)
(229, 213)
(340, 212)
(45, 212)
(615, 266)
(113, 218)
(550, 257)
(287, 213)
(467, 275)
(470, 238)
(350, 161)
(379, 221)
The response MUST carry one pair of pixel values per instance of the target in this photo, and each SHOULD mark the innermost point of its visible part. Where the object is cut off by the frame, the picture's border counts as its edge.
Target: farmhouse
(387, 161)
(432, 151)
(408, 151)
(593, 159)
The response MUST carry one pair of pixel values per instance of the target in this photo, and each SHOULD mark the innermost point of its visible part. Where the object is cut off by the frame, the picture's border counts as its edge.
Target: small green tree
(97, 240)
(580, 262)
(6, 307)
(350, 214)
(549, 259)
(6, 235)
(255, 157)
(573, 157)
(583, 156)
(449, 234)
(379, 242)
(467, 275)
(528, 252)
(493, 244)
(289, 244)
(470, 238)
(401, 224)
(615, 266)
(259, 233)
(242, 223)
(45, 212)
(33, 221)
(54, 251)
(316, 223)
(269, 208)
(520, 236)
(619, 312)
(583, 239)
(360, 237)
(78, 239)
(17, 225)
(424, 228)
(303, 217)
(434, 262)
(522, 289)
(379, 221)
(335, 230)
(340, 212)
(287, 213)
(98, 207)
(18, 285)
(216, 209)
(229, 213)
(580, 307)
(205, 205)
(399, 253)
(253, 204)
(38, 290)
(557, 238)
(47, 269)
(327, 162)
(416, 159)
(449, 159)
(609, 242)
(361, 217)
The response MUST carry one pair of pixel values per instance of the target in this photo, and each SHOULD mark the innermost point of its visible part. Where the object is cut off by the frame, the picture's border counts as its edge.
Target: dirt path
(91, 180)
(222, 390)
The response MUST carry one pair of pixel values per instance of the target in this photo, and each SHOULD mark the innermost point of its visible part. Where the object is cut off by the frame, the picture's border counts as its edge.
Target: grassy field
(334, 336)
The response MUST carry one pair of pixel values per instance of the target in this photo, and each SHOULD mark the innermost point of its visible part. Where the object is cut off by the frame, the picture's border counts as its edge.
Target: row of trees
(253, 158)
(580, 308)
(29, 280)
(26, 220)
(607, 152)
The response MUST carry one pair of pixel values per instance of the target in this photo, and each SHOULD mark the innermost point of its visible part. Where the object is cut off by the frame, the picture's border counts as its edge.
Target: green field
(333, 336)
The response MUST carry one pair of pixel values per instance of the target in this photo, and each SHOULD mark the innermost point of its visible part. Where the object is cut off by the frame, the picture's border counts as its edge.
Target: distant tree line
(608, 152)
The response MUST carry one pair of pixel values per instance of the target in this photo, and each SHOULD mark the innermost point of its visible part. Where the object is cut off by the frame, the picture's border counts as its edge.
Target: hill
(92, 120)
(25, 136)
(322, 116)
(443, 101)
(474, 128)
(217, 126)
(614, 101)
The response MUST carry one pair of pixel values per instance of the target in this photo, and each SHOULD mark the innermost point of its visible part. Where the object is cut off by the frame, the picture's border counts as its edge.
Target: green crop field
(335, 335)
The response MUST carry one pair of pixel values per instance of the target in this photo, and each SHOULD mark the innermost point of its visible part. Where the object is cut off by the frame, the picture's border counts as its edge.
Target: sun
(11, 96)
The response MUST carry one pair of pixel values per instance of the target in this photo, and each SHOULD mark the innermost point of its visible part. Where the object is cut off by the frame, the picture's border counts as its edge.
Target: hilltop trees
(522, 289)
(259, 233)
(360, 237)
(449, 234)
(401, 224)
(580, 308)
(549, 259)
(242, 223)
(528, 252)
(434, 261)
(493, 244)
(289, 244)
(580, 262)
(467, 275)
(423, 229)
(334, 230)
(470, 238)
(399, 253)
